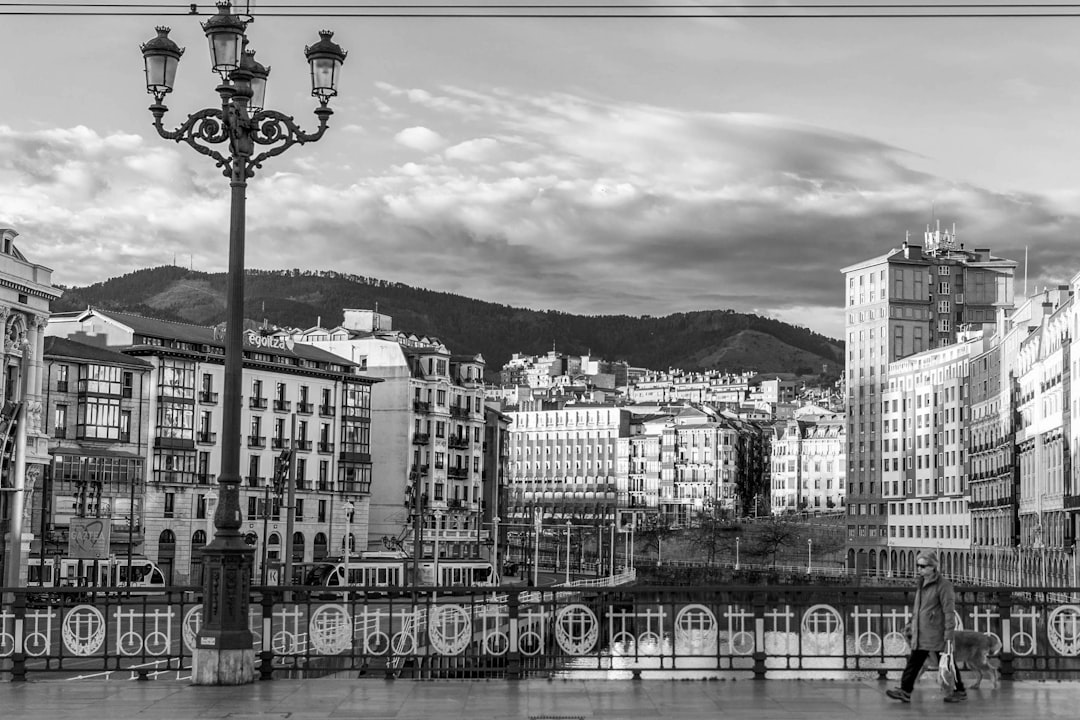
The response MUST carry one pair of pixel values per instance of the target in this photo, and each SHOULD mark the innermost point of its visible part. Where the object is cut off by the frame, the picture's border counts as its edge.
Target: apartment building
(97, 406)
(26, 292)
(1044, 459)
(808, 456)
(898, 304)
(925, 408)
(564, 464)
(296, 397)
(992, 477)
(430, 423)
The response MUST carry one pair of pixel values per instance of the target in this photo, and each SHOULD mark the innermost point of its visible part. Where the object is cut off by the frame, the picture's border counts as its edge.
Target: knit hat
(929, 557)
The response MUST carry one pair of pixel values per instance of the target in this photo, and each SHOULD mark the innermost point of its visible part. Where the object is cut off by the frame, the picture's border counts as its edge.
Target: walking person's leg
(911, 673)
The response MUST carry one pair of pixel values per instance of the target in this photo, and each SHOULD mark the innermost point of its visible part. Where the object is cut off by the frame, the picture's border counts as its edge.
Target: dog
(978, 651)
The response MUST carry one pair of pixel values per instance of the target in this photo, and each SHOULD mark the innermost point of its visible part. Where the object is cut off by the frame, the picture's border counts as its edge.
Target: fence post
(759, 636)
(266, 654)
(513, 660)
(1004, 603)
(18, 658)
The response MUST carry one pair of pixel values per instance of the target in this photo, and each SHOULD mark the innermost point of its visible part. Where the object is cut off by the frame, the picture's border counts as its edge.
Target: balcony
(458, 472)
(304, 445)
(254, 481)
(207, 397)
(206, 437)
(455, 504)
(326, 447)
(327, 411)
(459, 442)
(278, 443)
(205, 479)
(256, 441)
(305, 408)
(421, 438)
(282, 405)
(257, 403)
(458, 412)
(419, 469)
(62, 386)
(60, 433)
(421, 406)
(354, 488)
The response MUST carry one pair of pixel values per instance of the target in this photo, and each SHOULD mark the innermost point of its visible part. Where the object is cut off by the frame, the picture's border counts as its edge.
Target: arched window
(319, 549)
(298, 547)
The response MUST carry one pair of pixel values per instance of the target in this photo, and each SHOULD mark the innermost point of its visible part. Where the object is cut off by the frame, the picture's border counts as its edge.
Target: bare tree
(712, 537)
(774, 535)
(652, 532)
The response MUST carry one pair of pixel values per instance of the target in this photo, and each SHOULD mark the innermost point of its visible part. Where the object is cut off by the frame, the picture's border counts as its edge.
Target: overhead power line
(568, 10)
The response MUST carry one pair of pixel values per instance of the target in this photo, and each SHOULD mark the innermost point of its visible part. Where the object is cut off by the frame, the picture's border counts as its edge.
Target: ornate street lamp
(224, 653)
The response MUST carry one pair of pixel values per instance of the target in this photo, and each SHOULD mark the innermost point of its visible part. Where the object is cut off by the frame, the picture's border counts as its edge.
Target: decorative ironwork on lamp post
(246, 126)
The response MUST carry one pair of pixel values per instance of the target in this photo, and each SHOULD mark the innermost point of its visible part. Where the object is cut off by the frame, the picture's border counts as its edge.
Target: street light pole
(537, 527)
(568, 552)
(809, 554)
(737, 540)
(224, 654)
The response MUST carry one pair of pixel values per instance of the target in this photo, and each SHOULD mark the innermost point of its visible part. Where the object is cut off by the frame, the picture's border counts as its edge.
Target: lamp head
(225, 32)
(259, 74)
(325, 58)
(161, 57)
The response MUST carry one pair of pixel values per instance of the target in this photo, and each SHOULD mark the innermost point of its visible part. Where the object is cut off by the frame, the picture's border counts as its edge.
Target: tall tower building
(906, 301)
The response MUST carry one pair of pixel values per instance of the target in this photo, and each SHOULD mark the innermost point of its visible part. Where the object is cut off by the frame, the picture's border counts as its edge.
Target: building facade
(26, 293)
(904, 302)
(296, 399)
(809, 463)
(431, 422)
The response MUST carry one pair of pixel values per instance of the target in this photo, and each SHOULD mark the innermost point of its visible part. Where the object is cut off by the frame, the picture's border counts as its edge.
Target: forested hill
(697, 340)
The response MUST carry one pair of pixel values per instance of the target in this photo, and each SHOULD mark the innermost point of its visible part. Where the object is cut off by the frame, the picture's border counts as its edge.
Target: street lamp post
(737, 540)
(611, 549)
(537, 527)
(809, 554)
(349, 510)
(568, 552)
(224, 653)
(496, 571)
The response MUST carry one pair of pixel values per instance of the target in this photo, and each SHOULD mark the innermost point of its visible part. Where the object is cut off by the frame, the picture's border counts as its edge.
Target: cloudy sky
(599, 166)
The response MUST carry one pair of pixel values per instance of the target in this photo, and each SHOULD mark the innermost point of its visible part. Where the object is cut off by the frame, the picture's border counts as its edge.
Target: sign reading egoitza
(273, 343)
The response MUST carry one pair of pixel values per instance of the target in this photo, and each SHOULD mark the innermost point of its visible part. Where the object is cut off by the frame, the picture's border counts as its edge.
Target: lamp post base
(223, 667)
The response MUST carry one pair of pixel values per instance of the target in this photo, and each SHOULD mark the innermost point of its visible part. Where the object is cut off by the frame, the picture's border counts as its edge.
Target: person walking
(932, 626)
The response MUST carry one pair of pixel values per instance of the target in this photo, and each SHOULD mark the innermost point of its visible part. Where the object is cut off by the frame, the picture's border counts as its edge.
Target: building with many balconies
(904, 302)
(429, 431)
(298, 398)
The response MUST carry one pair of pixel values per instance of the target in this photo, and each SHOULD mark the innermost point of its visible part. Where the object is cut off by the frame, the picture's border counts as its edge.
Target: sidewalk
(376, 699)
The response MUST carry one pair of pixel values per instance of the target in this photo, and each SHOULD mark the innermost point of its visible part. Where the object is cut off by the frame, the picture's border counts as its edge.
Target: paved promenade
(373, 699)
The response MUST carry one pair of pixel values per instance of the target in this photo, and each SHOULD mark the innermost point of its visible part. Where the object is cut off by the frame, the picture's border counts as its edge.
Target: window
(60, 415)
(200, 507)
(62, 377)
(176, 379)
(99, 418)
(170, 505)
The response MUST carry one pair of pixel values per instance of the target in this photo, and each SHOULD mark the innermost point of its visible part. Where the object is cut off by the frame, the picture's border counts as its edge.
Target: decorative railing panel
(592, 631)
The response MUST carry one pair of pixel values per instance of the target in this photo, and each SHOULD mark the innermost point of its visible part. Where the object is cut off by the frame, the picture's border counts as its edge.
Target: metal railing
(585, 629)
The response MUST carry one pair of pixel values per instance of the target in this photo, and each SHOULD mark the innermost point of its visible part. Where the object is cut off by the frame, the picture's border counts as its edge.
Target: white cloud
(420, 138)
(478, 150)
(555, 202)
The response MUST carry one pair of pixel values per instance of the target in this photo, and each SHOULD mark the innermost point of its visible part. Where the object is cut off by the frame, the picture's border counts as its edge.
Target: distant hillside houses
(556, 379)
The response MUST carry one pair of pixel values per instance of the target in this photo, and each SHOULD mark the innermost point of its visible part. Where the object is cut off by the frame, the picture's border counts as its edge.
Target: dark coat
(934, 614)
